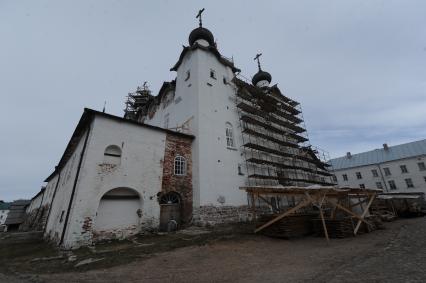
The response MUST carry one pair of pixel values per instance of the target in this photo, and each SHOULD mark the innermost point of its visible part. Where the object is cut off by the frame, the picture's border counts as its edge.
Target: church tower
(245, 133)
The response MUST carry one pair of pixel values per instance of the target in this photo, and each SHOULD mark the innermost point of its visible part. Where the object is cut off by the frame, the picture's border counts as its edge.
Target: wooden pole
(364, 213)
(348, 211)
(324, 226)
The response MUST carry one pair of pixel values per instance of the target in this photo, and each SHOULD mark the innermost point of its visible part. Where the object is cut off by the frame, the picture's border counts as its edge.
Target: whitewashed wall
(140, 169)
(209, 104)
(417, 176)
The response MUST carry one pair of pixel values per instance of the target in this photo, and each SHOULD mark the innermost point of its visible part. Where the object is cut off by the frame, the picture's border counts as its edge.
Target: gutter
(75, 185)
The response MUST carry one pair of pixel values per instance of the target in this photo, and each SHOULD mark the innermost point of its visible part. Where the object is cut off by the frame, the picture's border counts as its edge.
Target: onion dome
(201, 33)
(261, 76)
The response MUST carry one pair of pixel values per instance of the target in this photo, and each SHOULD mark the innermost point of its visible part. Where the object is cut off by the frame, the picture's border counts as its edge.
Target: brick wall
(209, 215)
(178, 145)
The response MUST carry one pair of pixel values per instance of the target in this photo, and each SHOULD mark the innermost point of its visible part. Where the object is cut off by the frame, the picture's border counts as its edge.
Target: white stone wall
(417, 176)
(140, 169)
(59, 205)
(208, 104)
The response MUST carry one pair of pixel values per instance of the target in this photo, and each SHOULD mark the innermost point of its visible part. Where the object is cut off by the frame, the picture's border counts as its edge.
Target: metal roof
(377, 156)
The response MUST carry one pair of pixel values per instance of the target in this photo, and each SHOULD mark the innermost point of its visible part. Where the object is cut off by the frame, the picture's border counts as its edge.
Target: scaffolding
(275, 142)
(137, 102)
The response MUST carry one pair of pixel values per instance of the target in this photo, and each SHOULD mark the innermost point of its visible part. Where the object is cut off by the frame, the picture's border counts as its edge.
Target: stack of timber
(293, 226)
(336, 228)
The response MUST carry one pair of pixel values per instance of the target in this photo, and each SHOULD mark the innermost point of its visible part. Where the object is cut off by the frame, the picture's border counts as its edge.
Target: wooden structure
(354, 202)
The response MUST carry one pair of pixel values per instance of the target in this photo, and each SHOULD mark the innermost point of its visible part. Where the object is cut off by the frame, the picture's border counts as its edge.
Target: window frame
(229, 134)
(387, 171)
(358, 175)
(403, 168)
(409, 183)
(345, 177)
(379, 185)
(179, 166)
(375, 173)
(422, 166)
(213, 74)
(392, 185)
(362, 186)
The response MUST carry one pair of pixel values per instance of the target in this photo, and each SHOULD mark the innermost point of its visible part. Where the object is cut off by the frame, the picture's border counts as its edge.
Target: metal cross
(258, 60)
(199, 16)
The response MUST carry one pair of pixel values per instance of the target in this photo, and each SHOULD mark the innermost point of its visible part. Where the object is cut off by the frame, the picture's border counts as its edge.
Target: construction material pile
(293, 226)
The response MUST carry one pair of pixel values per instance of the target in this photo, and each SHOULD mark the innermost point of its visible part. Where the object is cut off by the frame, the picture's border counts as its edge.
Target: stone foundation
(210, 215)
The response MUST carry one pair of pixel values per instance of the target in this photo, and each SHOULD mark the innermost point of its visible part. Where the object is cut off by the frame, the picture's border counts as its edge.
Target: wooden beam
(348, 211)
(324, 226)
(301, 204)
(360, 202)
(364, 213)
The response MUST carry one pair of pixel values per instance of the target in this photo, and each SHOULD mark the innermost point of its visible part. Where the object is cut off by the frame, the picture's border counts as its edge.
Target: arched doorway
(118, 214)
(170, 211)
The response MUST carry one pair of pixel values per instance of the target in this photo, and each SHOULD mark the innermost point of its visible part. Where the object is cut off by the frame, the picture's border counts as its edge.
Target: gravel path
(396, 254)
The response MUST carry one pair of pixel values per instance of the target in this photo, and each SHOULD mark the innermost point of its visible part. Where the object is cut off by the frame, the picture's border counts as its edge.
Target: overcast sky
(357, 67)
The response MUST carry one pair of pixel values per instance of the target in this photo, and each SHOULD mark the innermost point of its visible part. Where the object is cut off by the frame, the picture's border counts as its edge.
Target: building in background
(4, 211)
(395, 169)
(16, 215)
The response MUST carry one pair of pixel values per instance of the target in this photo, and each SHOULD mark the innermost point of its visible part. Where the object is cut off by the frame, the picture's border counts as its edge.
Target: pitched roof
(85, 120)
(211, 49)
(17, 212)
(382, 155)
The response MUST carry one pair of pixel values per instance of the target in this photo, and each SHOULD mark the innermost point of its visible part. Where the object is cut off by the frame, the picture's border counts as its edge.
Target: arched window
(180, 166)
(112, 155)
(229, 136)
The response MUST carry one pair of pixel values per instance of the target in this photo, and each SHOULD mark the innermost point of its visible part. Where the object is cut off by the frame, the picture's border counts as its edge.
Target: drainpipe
(74, 186)
(38, 210)
(53, 199)
(383, 178)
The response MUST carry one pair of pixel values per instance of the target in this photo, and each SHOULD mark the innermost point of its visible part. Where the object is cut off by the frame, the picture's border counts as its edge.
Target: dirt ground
(396, 254)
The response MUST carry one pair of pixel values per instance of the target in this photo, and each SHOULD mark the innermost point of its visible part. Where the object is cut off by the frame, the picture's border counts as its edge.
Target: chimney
(348, 154)
(385, 146)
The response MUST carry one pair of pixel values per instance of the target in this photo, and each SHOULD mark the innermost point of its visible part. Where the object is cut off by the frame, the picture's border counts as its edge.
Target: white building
(4, 211)
(180, 157)
(400, 168)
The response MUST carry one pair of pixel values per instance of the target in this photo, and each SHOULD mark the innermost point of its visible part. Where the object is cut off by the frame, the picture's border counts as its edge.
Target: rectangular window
(374, 172)
(362, 186)
(334, 178)
(409, 183)
(392, 185)
(358, 175)
(212, 74)
(403, 169)
(379, 185)
(345, 177)
(422, 166)
(387, 171)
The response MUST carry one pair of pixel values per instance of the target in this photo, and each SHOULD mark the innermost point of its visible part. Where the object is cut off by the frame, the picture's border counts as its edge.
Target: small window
(379, 185)
(180, 166)
(334, 178)
(409, 183)
(188, 75)
(358, 175)
(225, 81)
(392, 185)
(362, 186)
(422, 166)
(212, 74)
(374, 172)
(112, 155)
(424, 178)
(403, 169)
(345, 177)
(229, 136)
(387, 171)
